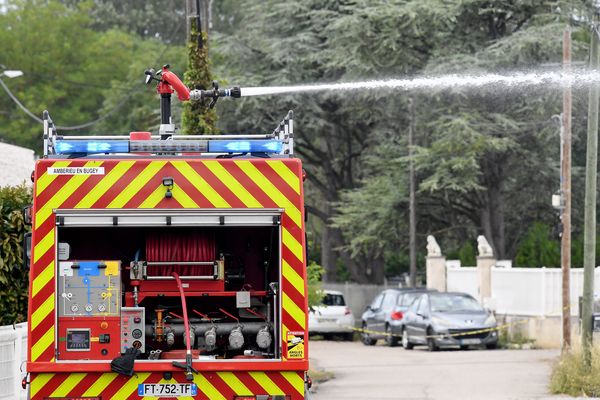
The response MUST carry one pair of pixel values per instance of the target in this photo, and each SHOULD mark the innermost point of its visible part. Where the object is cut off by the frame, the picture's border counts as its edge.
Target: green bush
(466, 255)
(538, 249)
(570, 376)
(13, 277)
(313, 275)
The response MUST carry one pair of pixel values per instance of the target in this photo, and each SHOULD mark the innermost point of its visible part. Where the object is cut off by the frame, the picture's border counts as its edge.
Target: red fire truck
(168, 266)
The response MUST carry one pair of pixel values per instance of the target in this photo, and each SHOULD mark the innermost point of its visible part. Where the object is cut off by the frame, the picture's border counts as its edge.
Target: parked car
(384, 317)
(448, 319)
(331, 317)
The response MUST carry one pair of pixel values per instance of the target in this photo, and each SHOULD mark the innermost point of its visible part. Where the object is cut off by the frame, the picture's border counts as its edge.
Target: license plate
(327, 320)
(167, 389)
(471, 341)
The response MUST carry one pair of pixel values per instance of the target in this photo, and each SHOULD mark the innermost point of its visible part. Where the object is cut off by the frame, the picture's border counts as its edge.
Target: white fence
(524, 291)
(13, 354)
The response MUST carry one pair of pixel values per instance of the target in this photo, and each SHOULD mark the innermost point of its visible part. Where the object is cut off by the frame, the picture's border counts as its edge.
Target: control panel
(133, 325)
(88, 338)
(89, 288)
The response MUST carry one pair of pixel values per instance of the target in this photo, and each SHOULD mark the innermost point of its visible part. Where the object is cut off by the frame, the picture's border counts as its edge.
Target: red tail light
(397, 315)
(348, 311)
(24, 382)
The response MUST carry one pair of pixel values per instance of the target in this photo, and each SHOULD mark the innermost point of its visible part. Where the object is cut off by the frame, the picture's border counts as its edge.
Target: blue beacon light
(245, 146)
(91, 146)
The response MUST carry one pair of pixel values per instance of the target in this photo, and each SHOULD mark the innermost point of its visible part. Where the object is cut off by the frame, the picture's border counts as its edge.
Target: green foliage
(477, 150)
(148, 19)
(13, 278)
(538, 248)
(198, 118)
(75, 71)
(572, 377)
(313, 275)
(577, 250)
(466, 254)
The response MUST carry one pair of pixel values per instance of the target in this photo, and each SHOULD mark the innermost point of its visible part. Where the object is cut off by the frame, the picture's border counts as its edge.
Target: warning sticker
(75, 170)
(295, 345)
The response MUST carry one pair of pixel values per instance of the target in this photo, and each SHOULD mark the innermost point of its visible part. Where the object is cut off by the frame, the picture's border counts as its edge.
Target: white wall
(16, 165)
(524, 291)
(462, 279)
(13, 355)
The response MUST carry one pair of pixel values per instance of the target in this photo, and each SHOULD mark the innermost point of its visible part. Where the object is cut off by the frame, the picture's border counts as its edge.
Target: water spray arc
(577, 78)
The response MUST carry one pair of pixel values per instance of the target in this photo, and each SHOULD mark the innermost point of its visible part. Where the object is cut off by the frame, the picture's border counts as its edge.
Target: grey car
(448, 319)
(384, 317)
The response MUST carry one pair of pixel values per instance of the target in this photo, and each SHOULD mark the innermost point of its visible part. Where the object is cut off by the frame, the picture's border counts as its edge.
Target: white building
(16, 165)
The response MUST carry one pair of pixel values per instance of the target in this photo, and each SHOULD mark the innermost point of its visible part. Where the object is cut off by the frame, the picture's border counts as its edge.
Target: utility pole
(589, 241)
(565, 181)
(412, 244)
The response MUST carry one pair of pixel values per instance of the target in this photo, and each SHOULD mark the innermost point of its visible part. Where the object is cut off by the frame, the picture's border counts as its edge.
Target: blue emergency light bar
(245, 146)
(91, 146)
(66, 147)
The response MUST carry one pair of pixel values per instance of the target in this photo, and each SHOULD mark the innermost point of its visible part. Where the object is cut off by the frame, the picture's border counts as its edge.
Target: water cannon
(169, 83)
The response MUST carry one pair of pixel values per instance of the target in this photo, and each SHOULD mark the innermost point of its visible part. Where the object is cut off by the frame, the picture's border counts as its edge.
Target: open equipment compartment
(116, 287)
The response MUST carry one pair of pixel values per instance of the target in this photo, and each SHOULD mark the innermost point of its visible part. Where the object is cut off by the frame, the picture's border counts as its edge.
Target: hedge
(14, 279)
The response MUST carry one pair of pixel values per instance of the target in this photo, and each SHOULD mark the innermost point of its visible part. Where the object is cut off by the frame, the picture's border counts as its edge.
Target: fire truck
(168, 266)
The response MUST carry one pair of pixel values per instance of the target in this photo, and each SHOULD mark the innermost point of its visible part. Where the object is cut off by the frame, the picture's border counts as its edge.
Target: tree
(77, 73)
(314, 41)
(146, 19)
(487, 160)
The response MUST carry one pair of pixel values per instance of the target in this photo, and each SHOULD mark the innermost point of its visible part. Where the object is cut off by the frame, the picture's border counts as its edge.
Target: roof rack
(280, 142)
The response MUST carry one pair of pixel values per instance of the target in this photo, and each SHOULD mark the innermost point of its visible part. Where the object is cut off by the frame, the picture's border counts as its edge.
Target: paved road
(381, 372)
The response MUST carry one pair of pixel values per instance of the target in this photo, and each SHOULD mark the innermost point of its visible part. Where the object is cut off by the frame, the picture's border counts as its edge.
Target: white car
(332, 317)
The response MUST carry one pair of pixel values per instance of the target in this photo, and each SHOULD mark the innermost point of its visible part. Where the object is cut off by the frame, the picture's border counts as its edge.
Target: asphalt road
(379, 372)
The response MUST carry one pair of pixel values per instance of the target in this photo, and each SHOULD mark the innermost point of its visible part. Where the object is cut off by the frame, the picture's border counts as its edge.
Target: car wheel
(365, 337)
(431, 346)
(491, 346)
(405, 342)
(390, 339)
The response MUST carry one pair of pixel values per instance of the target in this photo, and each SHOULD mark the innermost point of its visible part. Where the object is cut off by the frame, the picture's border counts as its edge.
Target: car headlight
(491, 320)
(441, 322)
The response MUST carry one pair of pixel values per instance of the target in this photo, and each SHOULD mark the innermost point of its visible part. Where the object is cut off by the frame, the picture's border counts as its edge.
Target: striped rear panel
(211, 385)
(129, 184)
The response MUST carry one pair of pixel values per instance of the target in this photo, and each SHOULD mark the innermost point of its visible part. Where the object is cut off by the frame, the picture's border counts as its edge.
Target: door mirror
(368, 308)
(26, 251)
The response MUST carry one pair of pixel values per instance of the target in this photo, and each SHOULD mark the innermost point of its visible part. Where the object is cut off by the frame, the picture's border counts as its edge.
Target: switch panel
(89, 288)
(133, 328)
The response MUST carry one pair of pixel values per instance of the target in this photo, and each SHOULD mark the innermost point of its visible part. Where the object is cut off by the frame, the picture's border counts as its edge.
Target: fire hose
(189, 369)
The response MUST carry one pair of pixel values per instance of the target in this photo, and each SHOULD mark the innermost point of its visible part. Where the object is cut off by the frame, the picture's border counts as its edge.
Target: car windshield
(334, 300)
(453, 303)
(407, 299)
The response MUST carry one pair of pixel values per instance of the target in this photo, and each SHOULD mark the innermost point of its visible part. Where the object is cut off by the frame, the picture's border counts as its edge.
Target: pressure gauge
(101, 307)
(89, 307)
(74, 308)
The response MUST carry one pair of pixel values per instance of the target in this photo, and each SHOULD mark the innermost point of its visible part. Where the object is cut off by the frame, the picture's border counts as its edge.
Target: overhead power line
(63, 128)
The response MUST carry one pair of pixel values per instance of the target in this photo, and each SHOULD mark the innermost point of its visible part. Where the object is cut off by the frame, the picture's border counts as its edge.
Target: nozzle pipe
(198, 94)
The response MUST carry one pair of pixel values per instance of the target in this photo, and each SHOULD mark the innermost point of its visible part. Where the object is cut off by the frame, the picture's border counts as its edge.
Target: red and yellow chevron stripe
(211, 385)
(129, 184)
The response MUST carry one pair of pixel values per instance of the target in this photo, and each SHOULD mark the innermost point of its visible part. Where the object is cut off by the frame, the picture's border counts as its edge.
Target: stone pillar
(436, 272)
(484, 277)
